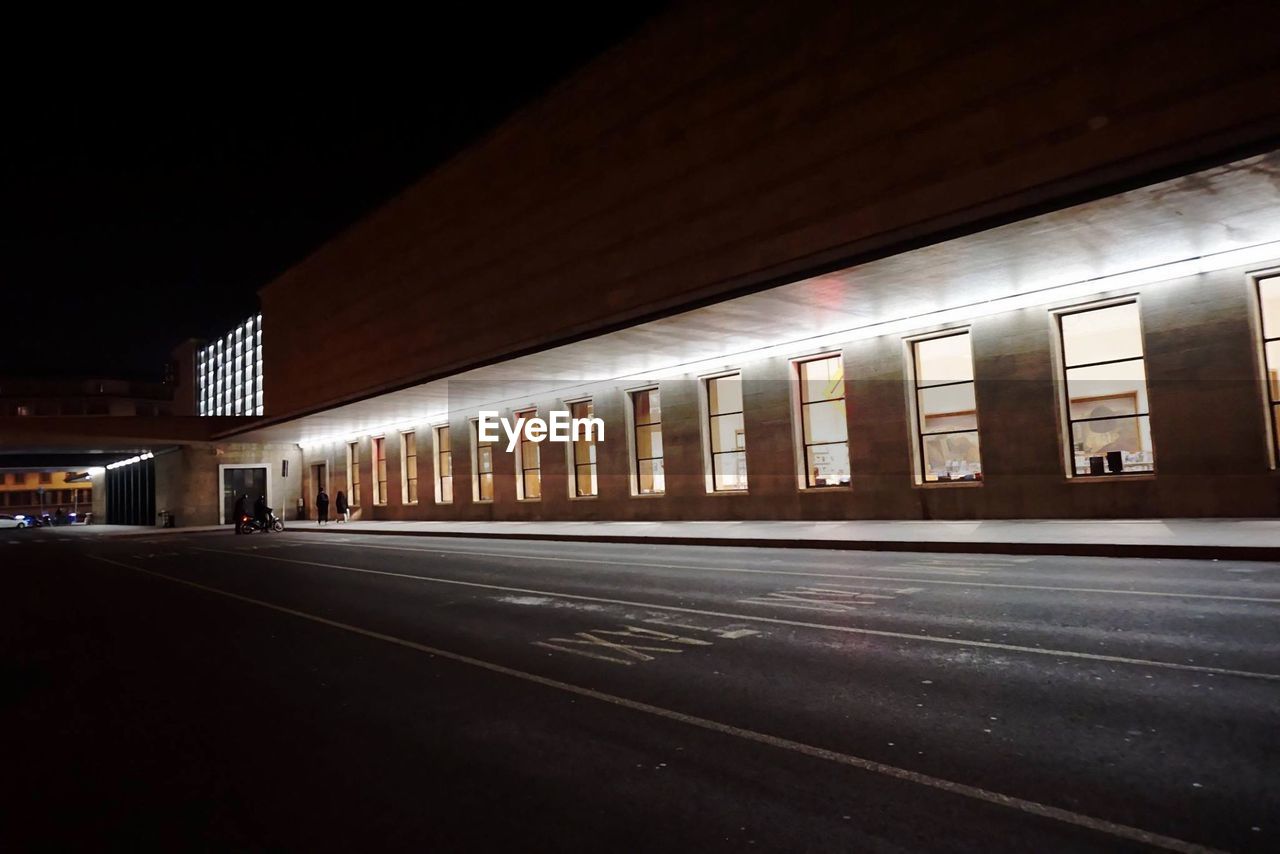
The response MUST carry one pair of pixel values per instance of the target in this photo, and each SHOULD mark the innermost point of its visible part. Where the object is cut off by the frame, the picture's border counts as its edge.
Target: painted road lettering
(829, 598)
(593, 645)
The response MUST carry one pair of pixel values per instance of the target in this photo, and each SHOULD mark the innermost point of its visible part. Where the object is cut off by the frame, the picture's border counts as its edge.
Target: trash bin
(167, 519)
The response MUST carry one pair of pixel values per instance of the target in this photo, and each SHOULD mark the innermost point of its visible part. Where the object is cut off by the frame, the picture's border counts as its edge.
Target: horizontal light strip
(131, 461)
(1063, 294)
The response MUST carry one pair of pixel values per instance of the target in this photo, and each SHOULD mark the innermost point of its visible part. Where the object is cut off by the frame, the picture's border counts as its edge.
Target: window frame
(571, 448)
(920, 473)
(522, 471)
(476, 474)
(798, 420)
(633, 438)
(1270, 399)
(408, 467)
(1064, 397)
(353, 473)
(380, 481)
(438, 455)
(708, 430)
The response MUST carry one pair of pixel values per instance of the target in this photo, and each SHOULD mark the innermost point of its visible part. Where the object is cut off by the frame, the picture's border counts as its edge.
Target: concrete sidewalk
(1225, 539)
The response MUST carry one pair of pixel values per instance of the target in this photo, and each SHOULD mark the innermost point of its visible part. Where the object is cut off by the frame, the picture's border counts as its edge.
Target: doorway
(319, 478)
(242, 480)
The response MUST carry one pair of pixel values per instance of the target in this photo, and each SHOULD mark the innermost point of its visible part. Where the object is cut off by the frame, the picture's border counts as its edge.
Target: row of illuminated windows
(20, 478)
(50, 498)
(1105, 414)
(229, 372)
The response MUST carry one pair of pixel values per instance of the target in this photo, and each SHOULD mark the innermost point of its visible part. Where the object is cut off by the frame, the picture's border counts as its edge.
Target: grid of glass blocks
(229, 372)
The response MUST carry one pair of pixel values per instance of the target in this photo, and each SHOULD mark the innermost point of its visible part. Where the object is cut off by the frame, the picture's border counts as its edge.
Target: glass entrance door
(241, 481)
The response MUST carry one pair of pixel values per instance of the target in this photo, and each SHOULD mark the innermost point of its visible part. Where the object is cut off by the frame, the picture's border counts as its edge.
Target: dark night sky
(146, 199)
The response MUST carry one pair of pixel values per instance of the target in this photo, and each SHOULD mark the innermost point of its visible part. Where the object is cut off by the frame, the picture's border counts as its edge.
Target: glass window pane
(484, 455)
(651, 477)
(822, 379)
(413, 489)
(584, 452)
(944, 360)
(486, 487)
(533, 484)
(948, 407)
(1273, 368)
(649, 441)
(724, 394)
(446, 465)
(1101, 335)
(442, 439)
(952, 457)
(728, 433)
(648, 407)
(1102, 390)
(410, 444)
(1269, 289)
(827, 465)
(1113, 446)
(529, 454)
(730, 471)
(825, 422)
(586, 480)
(446, 490)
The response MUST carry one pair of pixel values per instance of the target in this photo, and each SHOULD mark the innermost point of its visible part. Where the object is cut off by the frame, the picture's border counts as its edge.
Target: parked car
(19, 521)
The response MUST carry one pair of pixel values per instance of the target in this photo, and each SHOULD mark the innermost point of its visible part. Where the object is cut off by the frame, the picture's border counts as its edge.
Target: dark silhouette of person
(322, 507)
(260, 511)
(341, 506)
(238, 512)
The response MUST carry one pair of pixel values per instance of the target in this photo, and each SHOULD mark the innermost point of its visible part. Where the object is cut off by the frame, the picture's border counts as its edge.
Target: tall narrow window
(379, 470)
(353, 474)
(1108, 423)
(585, 484)
(1269, 294)
(824, 431)
(528, 463)
(409, 467)
(482, 480)
(444, 467)
(728, 435)
(646, 415)
(946, 410)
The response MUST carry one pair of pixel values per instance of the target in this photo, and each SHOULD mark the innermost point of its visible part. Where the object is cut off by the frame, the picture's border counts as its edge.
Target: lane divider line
(1103, 590)
(1035, 808)
(1003, 647)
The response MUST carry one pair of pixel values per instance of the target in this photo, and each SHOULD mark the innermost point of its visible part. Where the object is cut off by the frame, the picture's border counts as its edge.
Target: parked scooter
(250, 525)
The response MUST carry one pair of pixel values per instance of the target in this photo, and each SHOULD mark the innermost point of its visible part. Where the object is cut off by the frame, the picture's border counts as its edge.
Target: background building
(24, 397)
(32, 493)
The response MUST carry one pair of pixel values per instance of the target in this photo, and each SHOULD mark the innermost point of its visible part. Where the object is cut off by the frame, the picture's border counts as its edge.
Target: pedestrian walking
(322, 507)
(344, 512)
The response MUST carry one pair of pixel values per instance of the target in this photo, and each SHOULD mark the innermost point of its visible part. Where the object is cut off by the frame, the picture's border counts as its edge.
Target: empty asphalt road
(321, 691)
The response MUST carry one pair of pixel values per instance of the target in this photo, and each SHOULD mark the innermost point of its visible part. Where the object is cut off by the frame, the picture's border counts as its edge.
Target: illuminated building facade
(229, 372)
(805, 264)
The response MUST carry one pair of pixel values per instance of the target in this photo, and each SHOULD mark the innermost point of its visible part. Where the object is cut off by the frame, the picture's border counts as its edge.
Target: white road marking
(726, 633)
(834, 599)
(614, 563)
(1006, 647)
(633, 651)
(1121, 831)
(804, 603)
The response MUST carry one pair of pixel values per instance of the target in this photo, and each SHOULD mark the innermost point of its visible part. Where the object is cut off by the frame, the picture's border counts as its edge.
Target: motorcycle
(248, 524)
